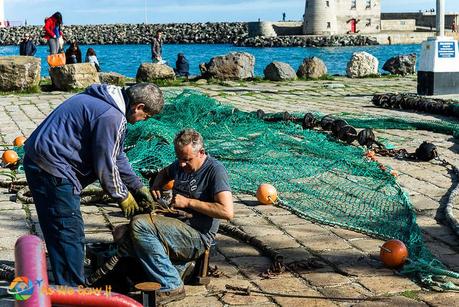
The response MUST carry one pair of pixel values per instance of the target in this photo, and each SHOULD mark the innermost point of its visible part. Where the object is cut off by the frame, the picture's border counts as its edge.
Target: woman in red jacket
(53, 32)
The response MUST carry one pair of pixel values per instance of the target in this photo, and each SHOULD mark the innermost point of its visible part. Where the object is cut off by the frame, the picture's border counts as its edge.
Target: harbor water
(125, 59)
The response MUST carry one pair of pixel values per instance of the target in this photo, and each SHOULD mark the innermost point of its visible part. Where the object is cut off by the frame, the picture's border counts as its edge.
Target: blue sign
(446, 49)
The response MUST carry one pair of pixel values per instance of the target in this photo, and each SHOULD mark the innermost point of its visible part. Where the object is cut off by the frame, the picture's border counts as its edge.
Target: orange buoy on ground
(393, 253)
(266, 194)
(10, 157)
(19, 141)
(168, 186)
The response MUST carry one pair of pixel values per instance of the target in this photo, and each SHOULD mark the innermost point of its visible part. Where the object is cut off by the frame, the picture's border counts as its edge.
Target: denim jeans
(164, 245)
(58, 211)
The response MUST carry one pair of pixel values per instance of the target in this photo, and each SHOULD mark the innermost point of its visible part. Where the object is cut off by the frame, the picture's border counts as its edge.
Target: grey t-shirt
(210, 179)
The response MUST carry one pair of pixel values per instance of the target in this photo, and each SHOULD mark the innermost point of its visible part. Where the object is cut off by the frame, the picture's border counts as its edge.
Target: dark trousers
(58, 210)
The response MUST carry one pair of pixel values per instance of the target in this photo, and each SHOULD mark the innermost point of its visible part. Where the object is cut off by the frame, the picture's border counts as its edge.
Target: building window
(368, 6)
(353, 4)
(328, 25)
(327, 3)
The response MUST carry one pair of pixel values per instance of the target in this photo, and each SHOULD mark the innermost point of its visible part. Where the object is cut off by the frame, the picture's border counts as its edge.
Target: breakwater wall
(203, 33)
(174, 33)
(307, 41)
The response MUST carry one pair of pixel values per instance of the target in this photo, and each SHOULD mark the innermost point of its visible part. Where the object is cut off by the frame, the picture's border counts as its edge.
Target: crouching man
(201, 188)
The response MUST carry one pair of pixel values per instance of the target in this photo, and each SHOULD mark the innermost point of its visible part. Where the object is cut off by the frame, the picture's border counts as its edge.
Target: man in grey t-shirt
(201, 188)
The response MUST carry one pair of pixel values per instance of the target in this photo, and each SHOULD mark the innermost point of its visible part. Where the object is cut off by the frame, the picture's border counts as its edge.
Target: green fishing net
(317, 177)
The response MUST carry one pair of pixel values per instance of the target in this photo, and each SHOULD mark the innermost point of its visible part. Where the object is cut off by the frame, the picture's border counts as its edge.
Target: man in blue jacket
(79, 142)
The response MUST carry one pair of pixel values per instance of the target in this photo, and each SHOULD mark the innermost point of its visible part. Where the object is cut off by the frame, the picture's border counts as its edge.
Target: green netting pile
(317, 177)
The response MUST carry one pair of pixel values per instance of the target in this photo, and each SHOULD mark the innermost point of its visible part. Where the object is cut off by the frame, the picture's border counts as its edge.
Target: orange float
(168, 186)
(10, 157)
(19, 141)
(393, 253)
(266, 194)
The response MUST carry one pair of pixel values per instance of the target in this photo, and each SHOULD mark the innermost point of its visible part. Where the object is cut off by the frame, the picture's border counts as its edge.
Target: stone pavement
(325, 262)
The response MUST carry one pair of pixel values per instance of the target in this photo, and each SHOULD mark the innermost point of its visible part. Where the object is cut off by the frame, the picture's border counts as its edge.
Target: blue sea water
(125, 59)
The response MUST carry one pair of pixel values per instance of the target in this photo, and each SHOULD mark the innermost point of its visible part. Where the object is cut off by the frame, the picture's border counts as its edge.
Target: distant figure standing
(453, 27)
(91, 57)
(53, 32)
(283, 16)
(27, 47)
(157, 48)
(182, 67)
(389, 40)
(73, 54)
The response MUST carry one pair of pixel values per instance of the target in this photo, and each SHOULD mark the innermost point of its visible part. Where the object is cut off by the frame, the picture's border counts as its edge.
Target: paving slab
(231, 247)
(388, 284)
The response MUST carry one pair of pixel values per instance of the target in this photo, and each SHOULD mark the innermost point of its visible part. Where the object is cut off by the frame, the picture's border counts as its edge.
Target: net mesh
(316, 177)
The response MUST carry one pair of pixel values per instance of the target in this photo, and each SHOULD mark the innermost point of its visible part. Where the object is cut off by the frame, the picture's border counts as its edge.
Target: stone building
(327, 17)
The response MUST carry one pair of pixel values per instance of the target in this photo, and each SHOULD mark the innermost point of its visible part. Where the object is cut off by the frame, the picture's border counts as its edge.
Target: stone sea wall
(179, 33)
(306, 41)
(175, 33)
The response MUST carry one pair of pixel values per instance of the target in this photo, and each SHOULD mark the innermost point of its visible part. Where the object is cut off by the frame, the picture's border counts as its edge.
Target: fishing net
(317, 177)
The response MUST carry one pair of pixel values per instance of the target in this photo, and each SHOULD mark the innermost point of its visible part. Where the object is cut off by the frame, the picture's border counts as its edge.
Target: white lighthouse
(325, 17)
(2, 14)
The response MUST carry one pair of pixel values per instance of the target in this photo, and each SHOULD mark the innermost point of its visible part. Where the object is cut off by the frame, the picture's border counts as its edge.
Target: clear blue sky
(169, 11)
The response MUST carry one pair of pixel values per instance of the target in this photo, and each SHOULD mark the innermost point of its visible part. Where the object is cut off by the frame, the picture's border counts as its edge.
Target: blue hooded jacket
(83, 140)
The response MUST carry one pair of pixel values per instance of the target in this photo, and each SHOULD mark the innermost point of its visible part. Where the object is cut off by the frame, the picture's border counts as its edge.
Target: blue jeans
(58, 211)
(159, 242)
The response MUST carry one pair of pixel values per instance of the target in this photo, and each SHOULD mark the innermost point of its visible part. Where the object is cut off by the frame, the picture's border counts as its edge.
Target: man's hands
(180, 202)
(128, 205)
(144, 198)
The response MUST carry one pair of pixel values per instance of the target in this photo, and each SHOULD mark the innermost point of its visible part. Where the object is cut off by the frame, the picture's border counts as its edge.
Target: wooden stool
(203, 268)
(149, 291)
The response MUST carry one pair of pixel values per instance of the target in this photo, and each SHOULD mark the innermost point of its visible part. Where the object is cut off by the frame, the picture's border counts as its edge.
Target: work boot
(188, 272)
(165, 297)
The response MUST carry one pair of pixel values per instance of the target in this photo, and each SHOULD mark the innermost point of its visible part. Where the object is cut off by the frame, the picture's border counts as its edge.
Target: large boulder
(19, 73)
(113, 78)
(150, 72)
(279, 71)
(313, 68)
(233, 66)
(401, 64)
(362, 64)
(73, 76)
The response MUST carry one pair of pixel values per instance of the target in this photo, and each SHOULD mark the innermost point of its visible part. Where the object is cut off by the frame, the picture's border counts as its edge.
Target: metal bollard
(149, 291)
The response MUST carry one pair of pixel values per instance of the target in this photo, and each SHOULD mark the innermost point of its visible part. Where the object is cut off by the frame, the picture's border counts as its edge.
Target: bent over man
(79, 142)
(163, 244)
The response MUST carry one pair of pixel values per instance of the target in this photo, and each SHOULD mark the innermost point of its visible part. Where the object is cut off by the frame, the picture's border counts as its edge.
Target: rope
(446, 210)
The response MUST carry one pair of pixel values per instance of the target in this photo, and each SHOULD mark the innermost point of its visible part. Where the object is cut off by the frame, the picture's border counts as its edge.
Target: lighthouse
(329, 17)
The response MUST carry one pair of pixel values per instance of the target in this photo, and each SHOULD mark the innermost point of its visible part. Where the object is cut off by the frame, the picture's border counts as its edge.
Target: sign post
(438, 72)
